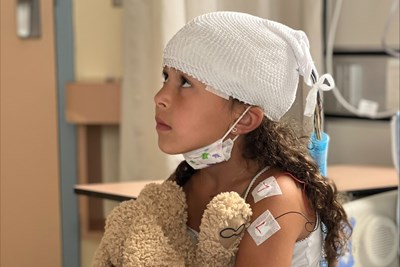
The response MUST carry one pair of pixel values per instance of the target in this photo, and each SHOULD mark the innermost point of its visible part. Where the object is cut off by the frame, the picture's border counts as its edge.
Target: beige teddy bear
(152, 231)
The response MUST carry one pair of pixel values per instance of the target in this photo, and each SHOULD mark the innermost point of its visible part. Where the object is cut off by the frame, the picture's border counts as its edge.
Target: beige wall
(98, 40)
(29, 168)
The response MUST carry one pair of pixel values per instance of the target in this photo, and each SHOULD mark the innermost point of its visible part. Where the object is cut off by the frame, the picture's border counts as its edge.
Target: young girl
(248, 193)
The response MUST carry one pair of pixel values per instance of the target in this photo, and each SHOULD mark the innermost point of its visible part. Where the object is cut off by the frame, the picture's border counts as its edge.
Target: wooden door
(29, 161)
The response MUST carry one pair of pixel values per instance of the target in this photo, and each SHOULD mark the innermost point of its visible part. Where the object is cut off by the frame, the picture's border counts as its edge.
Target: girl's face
(187, 115)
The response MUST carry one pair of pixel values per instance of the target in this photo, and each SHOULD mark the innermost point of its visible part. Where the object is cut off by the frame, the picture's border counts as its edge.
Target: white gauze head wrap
(254, 60)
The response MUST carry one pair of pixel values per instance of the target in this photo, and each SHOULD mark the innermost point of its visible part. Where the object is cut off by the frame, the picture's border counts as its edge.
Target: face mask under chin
(214, 153)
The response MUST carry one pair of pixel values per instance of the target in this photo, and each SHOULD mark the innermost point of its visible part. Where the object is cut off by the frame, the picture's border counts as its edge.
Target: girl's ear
(250, 121)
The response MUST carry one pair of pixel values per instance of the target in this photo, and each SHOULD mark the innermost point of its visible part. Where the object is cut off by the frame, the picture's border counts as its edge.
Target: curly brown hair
(276, 144)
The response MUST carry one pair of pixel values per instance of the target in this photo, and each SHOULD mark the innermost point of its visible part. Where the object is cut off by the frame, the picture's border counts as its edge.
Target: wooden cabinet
(93, 103)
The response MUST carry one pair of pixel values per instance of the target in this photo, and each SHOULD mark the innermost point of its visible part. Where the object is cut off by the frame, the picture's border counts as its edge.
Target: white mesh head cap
(254, 60)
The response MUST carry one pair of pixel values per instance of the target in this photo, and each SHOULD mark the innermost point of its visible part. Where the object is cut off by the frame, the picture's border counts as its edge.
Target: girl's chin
(169, 150)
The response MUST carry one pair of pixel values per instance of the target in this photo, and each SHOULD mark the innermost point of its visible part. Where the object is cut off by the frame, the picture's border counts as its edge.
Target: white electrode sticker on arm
(263, 227)
(268, 187)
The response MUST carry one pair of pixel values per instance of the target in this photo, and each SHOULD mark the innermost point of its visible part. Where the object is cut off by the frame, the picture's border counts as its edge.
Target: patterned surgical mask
(214, 153)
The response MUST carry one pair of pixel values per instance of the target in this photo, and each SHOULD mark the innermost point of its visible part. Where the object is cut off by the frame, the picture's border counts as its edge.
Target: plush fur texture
(152, 230)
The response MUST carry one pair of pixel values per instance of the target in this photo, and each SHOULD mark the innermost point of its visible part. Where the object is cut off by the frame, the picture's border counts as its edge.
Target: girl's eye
(165, 77)
(185, 83)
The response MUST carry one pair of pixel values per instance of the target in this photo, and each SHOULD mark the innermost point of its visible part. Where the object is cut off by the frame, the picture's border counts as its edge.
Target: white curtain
(148, 25)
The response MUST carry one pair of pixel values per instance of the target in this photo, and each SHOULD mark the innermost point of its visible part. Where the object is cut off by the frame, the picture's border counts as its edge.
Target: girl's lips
(161, 126)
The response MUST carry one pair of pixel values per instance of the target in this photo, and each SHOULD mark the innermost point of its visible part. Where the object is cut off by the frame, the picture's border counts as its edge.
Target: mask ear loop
(236, 122)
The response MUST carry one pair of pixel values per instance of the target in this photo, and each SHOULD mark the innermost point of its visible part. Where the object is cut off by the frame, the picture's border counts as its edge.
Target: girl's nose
(161, 98)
